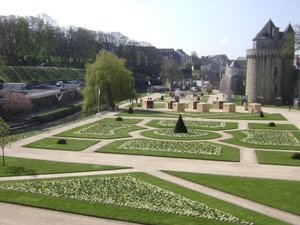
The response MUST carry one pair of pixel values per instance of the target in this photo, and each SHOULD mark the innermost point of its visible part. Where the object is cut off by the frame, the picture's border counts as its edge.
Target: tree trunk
(3, 162)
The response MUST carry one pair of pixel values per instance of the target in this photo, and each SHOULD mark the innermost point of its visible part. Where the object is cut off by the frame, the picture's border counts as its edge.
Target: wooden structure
(169, 104)
(217, 104)
(178, 107)
(203, 107)
(229, 107)
(148, 104)
(192, 105)
(254, 108)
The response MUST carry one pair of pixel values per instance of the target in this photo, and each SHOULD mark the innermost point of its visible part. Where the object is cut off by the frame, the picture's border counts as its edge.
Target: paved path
(247, 167)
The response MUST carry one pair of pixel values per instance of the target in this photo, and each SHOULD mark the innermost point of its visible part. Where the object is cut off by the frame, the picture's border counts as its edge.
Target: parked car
(59, 83)
(63, 87)
(72, 81)
(47, 85)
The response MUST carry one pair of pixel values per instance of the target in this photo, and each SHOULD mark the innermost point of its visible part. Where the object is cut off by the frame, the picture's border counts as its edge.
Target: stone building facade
(269, 68)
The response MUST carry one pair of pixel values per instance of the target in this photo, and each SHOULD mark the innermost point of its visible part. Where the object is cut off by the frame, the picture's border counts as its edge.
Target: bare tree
(5, 138)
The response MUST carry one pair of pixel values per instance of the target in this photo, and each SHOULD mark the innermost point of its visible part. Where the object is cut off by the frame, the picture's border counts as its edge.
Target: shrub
(180, 126)
(198, 99)
(162, 97)
(261, 114)
(61, 141)
(119, 118)
(130, 110)
(271, 124)
(296, 155)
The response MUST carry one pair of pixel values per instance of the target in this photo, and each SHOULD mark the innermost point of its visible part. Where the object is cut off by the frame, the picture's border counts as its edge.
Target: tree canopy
(170, 71)
(108, 73)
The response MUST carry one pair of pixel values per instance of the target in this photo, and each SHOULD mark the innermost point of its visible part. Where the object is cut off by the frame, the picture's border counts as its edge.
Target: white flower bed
(203, 148)
(170, 133)
(125, 192)
(102, 129)
(191, 123)
(271, 137)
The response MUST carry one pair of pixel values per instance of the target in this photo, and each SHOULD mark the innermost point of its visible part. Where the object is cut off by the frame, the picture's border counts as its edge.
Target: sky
(207, 27)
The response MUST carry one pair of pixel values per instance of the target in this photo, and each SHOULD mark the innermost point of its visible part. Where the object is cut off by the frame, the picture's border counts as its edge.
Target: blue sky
(208, 27)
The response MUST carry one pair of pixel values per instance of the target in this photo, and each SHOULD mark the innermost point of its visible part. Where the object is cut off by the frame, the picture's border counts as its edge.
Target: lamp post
(149, 87)
(98, 114)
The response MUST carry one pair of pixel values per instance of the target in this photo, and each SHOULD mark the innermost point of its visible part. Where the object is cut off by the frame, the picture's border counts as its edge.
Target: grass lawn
(71, 145)
(125, 120)
(238, 136)
(228, 153)
(191, 135)
(228, 125)
(280, 194)
(21, 166)
(146, 113)
(135, 215)
(276, 127)
(276, 158)
(248, 116)
(99, 130)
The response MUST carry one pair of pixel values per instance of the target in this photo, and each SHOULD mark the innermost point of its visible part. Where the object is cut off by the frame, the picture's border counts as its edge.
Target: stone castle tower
(270, 65)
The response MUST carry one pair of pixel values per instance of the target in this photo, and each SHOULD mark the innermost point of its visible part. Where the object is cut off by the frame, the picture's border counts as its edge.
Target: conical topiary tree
(180, 126)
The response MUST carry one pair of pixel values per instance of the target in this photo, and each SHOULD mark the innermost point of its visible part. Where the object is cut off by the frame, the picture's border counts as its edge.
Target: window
(263, 35)
(275, 70)
(275, 88)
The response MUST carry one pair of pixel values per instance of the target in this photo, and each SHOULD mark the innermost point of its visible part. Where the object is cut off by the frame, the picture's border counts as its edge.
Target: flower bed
(191, 123)
(102, 129)
(204, 148)
(170, 133)
(271, 137)
(125, 192)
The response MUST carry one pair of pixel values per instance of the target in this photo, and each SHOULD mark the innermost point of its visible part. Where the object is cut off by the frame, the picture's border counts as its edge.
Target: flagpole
(98, 114)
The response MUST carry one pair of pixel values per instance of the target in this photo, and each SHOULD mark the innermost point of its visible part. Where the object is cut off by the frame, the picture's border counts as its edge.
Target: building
(170, 53)
(269, 69)
(184, 58)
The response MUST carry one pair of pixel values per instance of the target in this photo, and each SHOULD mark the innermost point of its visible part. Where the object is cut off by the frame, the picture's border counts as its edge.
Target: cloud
(225, 40)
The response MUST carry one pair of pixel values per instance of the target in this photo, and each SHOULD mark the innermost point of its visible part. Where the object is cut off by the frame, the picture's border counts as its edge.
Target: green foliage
(162, 97)
(61, 141)
(188, 65)
(296, 155)
(33, 74)
(271, 124)
(180, 126)
(5, 138)
(130, 110)
(261, 114)
(109, 74)
(119, 118)
(170, 71)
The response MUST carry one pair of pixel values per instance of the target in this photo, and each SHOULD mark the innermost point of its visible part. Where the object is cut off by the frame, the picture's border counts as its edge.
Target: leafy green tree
(171, 72)
(109, 74)
(188, 65)
(5, 138)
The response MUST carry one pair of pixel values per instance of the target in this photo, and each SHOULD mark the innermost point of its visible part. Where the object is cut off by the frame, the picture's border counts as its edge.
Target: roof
(289, 29)
(267, 29)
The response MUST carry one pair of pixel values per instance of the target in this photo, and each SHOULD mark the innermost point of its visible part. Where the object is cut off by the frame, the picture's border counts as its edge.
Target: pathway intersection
(247, 167)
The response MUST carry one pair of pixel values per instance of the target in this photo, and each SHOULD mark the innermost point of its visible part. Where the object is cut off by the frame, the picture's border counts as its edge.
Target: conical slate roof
(289, 29)
(267, 29)
(234, 64)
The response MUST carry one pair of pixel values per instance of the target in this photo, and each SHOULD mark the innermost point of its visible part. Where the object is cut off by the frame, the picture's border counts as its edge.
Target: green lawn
(238, 136)
(191, 135)
(71, 145)
(228, 153)
(135, 215)
(276, 127)
(21, 166)
(280, 194)
(96, 130)
(276, 158)
(228, 125)
(125, 120)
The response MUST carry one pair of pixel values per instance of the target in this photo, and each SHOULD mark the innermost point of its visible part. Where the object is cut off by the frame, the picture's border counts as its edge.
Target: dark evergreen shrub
(130, 110)
(198, 99)
(119, 118)
(271, 124)
(61, 141)
(296, 155)
(261, 114)
(180, 126)
(162, 97)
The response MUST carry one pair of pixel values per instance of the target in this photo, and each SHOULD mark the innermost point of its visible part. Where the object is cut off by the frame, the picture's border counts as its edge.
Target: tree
(180, 126)
(109, 74)
(171, 72)
(5, 138)
(188, 65)
(15, 103)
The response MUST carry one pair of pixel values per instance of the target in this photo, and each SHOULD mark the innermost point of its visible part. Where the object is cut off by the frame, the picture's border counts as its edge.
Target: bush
(296, 155)
(130, 110)
(261, 114)
(271, 124)
(61, 141)
(162, 97)
(119, 118)
(180, 126)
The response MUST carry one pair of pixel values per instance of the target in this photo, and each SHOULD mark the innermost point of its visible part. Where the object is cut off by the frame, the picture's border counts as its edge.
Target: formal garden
(142, 198)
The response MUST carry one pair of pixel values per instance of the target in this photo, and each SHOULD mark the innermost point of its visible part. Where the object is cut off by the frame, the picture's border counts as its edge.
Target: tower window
(275, 70)
(275, 88)
(263, 35)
